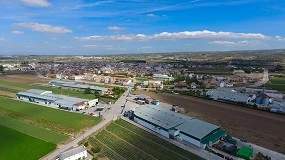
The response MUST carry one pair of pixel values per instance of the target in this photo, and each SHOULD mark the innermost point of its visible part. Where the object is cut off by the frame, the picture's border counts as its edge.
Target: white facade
(77, 156)
(152, 127)
(93, 102)
(74, 154)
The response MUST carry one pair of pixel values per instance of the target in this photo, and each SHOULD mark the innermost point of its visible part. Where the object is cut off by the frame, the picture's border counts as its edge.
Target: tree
(96, 93)
(1, 68)
(87, 90)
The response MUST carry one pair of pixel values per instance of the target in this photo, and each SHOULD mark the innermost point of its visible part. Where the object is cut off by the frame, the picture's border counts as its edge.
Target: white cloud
(151, 15)
(47, 28)
(96, 46)
(115, 28)
(36, 3)
(66, 47)
(46, 42)
(103, 47)
(17, 32)
(176, 36)
(279, 38)
(98, 3)
(145, 47)
(2, 39)
(238, 43)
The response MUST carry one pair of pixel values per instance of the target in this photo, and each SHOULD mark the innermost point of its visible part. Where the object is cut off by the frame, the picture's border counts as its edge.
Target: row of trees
(188, 79)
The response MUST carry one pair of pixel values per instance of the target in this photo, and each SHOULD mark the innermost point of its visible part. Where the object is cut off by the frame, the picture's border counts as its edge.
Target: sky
(92, 27)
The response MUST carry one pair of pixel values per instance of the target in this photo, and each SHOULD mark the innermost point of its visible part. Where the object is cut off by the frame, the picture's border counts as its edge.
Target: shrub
(86, 144)
(96, 149)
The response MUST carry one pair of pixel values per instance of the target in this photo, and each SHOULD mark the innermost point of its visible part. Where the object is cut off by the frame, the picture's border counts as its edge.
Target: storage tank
(259, 100)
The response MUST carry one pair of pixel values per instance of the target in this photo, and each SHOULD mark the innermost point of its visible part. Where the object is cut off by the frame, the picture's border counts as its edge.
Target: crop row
(121, 147)
(146, 145)
(156, 139)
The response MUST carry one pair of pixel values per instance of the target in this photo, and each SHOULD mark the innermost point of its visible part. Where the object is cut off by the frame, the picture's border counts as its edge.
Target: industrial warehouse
(177, 126)
(56, 100)
(78, 86)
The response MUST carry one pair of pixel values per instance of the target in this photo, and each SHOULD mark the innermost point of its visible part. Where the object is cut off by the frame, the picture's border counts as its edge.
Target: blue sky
(139, 26)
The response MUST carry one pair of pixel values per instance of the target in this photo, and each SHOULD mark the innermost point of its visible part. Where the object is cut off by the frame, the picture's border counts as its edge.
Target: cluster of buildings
(56, 100)
(177, 126)
(68, 70)
(271, 100)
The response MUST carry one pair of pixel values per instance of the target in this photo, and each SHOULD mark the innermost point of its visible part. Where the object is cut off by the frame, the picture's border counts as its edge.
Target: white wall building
(74, 154)
(177, 126)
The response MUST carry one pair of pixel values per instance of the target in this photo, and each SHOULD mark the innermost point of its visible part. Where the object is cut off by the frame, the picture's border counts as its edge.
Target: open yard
(17, 145)
(122, 140)
(262, 128)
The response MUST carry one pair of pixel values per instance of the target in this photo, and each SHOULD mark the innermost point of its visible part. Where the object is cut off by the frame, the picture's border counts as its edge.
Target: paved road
(108, 116)
(264, 80)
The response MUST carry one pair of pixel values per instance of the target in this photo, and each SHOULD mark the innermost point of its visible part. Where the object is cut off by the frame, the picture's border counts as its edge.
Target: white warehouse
(56, 100)
(177, 126)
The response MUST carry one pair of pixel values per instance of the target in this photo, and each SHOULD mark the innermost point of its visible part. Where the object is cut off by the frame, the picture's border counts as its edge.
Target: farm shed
(56, 100)
(177, 126)
(77, 86)
(74, 154)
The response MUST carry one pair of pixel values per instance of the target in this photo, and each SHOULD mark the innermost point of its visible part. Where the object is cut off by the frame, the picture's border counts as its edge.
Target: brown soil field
(258, 127)
(23, 77)
(13, 87)
(9, 94)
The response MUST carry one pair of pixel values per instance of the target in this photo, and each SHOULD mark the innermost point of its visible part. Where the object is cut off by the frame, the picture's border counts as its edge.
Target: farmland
(122, 140)
(22, 146)
(262, 128)
(30, 124)
(49, 116)
(277, 84)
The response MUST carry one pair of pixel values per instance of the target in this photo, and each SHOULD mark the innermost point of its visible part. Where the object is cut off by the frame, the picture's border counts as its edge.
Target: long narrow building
(177, 126)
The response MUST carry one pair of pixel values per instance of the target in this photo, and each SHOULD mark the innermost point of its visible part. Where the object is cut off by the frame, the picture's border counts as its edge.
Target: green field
(17, 145)
(32, 130)
(69, 92)
(73, 93)
(276, 83)
(122, 140)
(66, 119)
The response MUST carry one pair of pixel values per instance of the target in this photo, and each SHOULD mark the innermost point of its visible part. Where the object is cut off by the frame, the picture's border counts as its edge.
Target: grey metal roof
(197, 128)
(45, 97)
(76, 85)
(71, 152)
(167, 119)
(36, 91)
(160, 116)
(56, 98)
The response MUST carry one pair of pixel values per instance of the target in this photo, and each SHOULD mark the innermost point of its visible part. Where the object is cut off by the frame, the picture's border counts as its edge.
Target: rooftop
(170, 120)
(75, 85)
(48, 95)
(197, 128)
(72, 152)
(160, 116)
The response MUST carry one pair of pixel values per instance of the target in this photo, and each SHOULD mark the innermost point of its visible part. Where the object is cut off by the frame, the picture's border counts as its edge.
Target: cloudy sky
(139, 26)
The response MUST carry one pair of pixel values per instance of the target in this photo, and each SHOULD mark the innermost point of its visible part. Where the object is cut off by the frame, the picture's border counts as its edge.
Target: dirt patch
(259, 127)
(23, 78)
(12, 87)
(8, 94)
